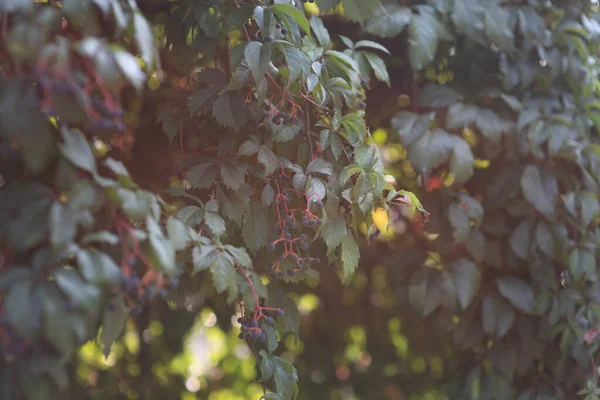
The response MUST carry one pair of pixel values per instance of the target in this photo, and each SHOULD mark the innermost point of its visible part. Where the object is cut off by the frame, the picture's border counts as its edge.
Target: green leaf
(286, 378)
(212, 219)
(258, 57)
(320, 31)
(277, 298)
(267, 367)
(517, 292)
(358, 10)
(79, 293)
(178, 234)
(296, 60)
(77, 150)
(224, 276)
(113, 323)
(130, 68)
(431, 150)
(539, 192)
(315, 190)
(201, 101)
(369, 44)
(334, 232)
(239, 16)
(318, 165)
(248, 148)
(98, 268)
(14, 5)
(191, 216)
(293, 12)
(267, 196)
(388, 20)
(423, 36)
(203, 257)
(410, 126)
(418, 285)
(460, 221)
(202, 176)
(145, 41)
(229, 110)
(62, 225)
(57, 330)
(438, 96)
(232, 175)
(461, 160)
(497, 316)
(520, 239)
(590, 207)
(240, 255)
(467, 280)
(162, 248)
(378, 66)
(268, 159)
(350, 257)
(255, 229)
(23, 308)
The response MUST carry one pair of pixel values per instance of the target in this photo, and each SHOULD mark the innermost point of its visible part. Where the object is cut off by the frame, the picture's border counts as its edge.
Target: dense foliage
(216, 153)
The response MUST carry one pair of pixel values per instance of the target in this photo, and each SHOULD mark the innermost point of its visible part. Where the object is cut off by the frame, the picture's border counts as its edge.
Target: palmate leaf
(389, 19)
(230, 111)
(424, 33)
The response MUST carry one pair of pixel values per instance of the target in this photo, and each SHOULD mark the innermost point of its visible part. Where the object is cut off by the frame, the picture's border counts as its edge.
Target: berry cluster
(251, 331)
(291, 236)
(12, 346)
(137, 293)
(273, 113)
(307, 1)
(281, 29)
(137, 289)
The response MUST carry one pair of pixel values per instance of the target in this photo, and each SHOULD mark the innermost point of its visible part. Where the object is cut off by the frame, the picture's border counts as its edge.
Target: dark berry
(268, 39)
(319, 222)
(320, 204)
(288, 200)
(312, 222)
(242, 335)
(281, 258)
(269, 321)
(302, 236)
(271, 246)
(262, 338)
(284, 32)
(300, 113)
(281, 274)
(287, 236)
(286, 228)
(294, 119)
(280, 312)
(276, 202)
(295, 257)
(304, 246)
(162, 293)
(288, 218)
(174, 282)
(290, 272)
(277, 26)
(362, 105)
(293, 225)
(239, 320)
(254, 324)
(304, 223)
